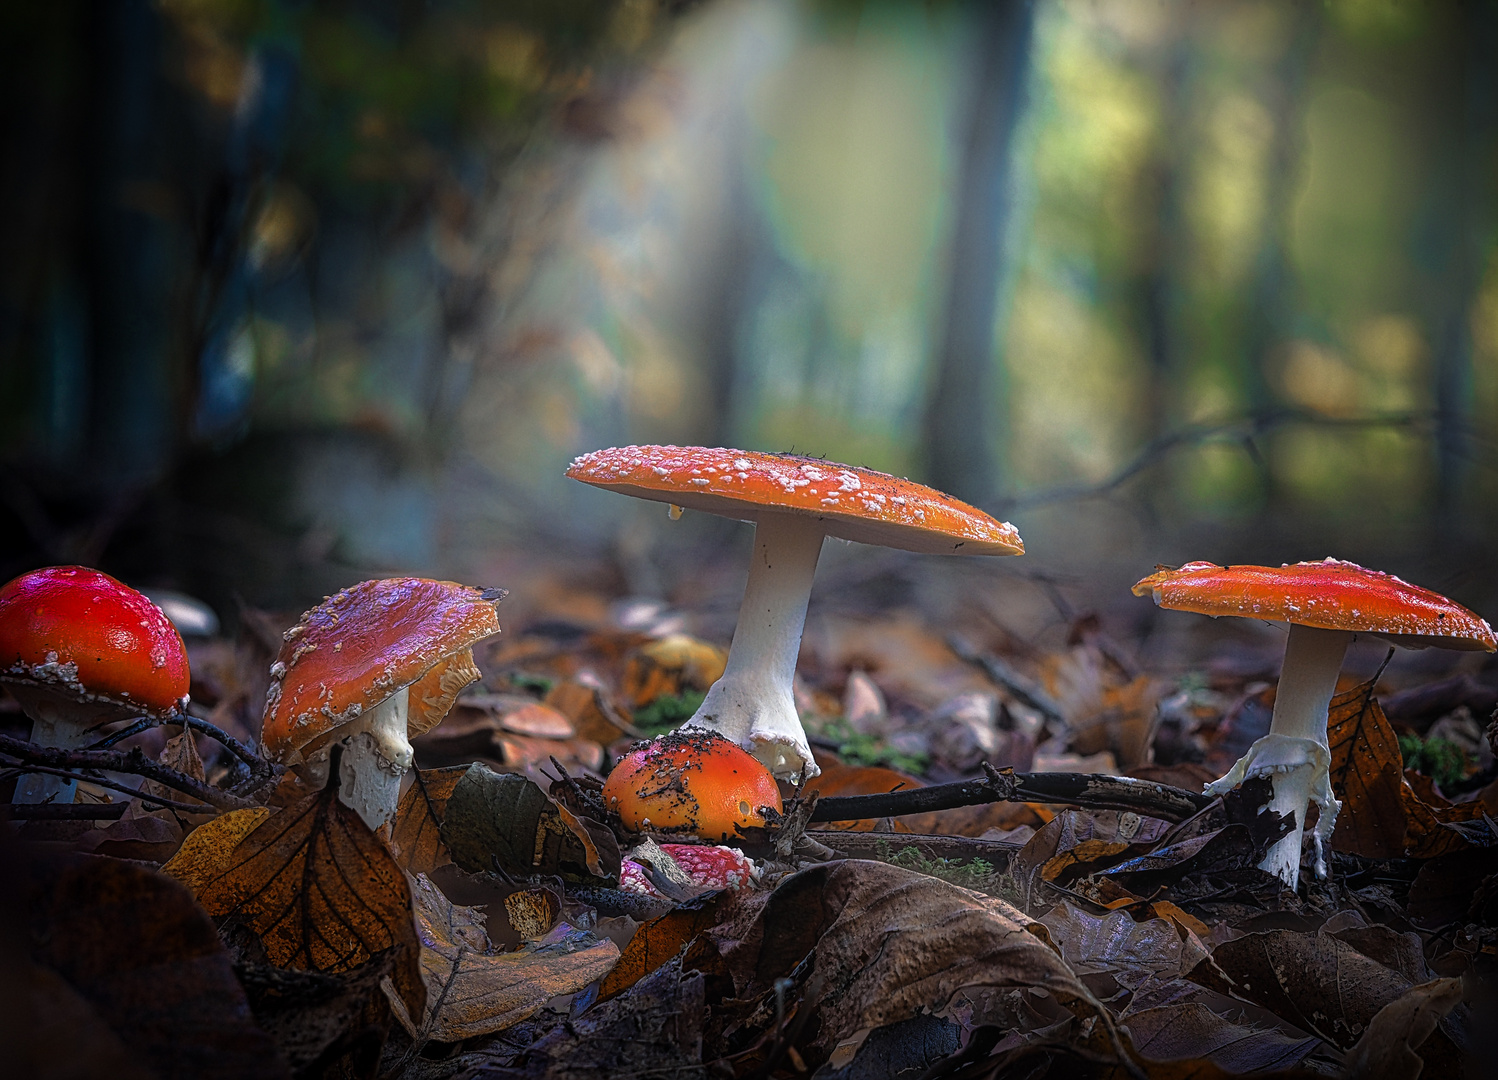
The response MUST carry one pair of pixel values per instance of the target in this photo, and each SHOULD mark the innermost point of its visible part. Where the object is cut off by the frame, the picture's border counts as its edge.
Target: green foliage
(857, 748)
(668, 712)
(977, 874)
(1443, 761)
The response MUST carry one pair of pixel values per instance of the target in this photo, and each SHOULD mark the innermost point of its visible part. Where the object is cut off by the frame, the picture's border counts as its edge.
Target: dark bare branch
(58, 760)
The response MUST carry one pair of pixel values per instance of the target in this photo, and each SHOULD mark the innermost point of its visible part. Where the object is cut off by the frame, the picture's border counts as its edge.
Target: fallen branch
(881, 845)
(258, 765)
(99, 781)
(112, 811)
(58, 761)
(1094, 791)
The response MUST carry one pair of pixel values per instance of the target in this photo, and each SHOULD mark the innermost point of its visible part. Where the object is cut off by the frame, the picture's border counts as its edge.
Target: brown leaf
(474, 991)
(416, 837)
(1387, 1049)
(204, 852)
(1315, 981)
(658, 940)
(588, 707)
(1116, 944)
(133, 944)
(317, 887)
(1191, 1031)
(539, 721)
(896, 943)
(1366, 773)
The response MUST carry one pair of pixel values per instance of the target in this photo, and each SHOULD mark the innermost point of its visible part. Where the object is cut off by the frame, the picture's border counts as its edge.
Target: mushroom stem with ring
(1294, 755)
(752, 703)
(376, 754)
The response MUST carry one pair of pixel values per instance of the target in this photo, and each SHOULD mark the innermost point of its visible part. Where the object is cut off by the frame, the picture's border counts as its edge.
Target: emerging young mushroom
(79, 649)
(691, 782)
(370, 667)
(1326, 603)
(794, 502)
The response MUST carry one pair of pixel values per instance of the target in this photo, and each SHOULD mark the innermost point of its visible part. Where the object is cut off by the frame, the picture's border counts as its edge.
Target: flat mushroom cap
(82, 634)
(852, 503)
(1330, 594)
(355, 649)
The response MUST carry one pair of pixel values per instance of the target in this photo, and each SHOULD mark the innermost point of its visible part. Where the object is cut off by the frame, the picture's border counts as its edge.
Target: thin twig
(132, 762)
(99, 781)
(243, 752)
(1096, 791)
(64, 811)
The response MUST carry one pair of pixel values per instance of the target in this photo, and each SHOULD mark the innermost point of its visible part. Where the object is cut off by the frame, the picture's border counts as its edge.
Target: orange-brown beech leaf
(134, 956)
(318, 888)
(416, 838)
(658, 940)
(1367, 775)
(472, 990)
(207, 848)
(1086, 857)
(1383, 815)
(592, 714)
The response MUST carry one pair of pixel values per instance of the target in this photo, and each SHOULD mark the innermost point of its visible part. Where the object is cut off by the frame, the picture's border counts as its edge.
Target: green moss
(665, 713)
(1440, 759)
(856, 748)
(979, 875)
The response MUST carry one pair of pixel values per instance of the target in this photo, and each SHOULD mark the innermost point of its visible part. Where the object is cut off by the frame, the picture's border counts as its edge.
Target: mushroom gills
(752, 703)
(377, 754)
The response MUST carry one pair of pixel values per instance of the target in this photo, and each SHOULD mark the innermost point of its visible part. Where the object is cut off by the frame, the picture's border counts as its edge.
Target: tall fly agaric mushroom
(794, 502)
(1326, 603)
(79, 649)
(370, 667)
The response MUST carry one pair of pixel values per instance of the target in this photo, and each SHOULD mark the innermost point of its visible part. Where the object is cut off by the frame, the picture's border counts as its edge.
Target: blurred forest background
(294, 293)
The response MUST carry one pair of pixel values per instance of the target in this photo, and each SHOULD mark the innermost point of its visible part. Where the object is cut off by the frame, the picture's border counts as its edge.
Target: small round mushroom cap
(79, 633)
(1331, 595)
(357, 648)
(853, 503)
(694, 782)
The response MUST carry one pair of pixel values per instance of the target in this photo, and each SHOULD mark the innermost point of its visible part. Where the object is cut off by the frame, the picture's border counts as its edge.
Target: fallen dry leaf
(473, 991)
(204, 851)
(668, 666)
(318, 889)
(658, 940)
(1366, 773)
(1387, 1050)
(1191, 1031)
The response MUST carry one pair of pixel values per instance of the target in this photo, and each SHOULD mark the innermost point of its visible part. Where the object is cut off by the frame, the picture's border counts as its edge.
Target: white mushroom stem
(377, 753)
(1294, 755)
(752, 703)
(58, 722)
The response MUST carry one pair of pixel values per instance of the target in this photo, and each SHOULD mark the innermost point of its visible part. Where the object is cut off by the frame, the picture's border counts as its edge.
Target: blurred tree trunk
(1270, 305)
(1451, 247)
(964, 424)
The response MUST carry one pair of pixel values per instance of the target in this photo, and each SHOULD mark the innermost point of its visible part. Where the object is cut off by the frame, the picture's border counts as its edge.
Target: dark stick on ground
(52, 758)
(1093, 791)
(66, 812)
(881, 845)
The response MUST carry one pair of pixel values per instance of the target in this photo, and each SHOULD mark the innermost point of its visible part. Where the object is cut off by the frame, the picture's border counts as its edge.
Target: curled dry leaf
(1383, 815)
(1117, 945)
(658, 940)
(471, 990)
(313, 883)
(1191, 1032)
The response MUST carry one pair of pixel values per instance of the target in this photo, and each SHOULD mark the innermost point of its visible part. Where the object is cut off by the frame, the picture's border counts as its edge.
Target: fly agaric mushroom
(693, 782)
(79, 649)
(370, 667)
(1326, 603)
(704, 866)
(794, 503)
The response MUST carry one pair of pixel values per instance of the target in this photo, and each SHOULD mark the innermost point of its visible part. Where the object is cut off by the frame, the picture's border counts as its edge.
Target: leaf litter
(491, 933)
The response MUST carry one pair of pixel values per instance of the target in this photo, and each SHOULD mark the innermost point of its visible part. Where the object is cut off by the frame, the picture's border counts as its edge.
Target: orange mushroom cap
(1331, 594)
(79, 633)
(356, 648)
(854, 503)
(691, 781)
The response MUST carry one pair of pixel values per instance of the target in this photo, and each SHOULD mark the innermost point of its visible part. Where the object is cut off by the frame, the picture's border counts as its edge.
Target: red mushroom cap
(355, 649)
(1330, 594)
(80, 633)
(854, 503)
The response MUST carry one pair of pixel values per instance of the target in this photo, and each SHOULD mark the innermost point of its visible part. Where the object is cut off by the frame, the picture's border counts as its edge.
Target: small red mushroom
(79, 649)
(709, 866)
(370, 667)
(693, 782)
